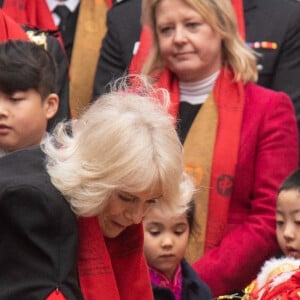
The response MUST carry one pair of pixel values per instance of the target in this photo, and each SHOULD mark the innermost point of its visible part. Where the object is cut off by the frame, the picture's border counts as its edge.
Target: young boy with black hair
(38, 230)
(279, 278)
(27, 94)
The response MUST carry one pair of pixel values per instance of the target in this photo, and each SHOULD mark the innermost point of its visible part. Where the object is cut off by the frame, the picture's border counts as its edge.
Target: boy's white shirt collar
(70, 4)
(2, 153)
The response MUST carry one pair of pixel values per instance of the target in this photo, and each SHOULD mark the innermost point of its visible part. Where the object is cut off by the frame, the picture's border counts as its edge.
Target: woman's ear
(51, 105)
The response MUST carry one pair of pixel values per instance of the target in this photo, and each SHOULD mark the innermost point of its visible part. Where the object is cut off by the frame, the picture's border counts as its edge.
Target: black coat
(266, 20)
(123, 31)
(192, 287)
(38, 244)
(277, 21)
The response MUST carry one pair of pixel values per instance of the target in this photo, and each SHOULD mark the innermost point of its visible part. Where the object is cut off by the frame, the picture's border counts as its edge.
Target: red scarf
(112, 269)
(229, 97)
(239, 12)
(9, 29)
(109, 3)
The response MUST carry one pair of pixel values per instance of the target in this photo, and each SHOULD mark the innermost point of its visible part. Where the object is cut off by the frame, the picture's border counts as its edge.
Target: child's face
(165, 240)
(23, 118)
(288, 222)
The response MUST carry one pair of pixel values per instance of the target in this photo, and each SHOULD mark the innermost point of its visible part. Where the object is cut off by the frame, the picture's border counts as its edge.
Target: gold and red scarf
(228, 97)
(90, 30)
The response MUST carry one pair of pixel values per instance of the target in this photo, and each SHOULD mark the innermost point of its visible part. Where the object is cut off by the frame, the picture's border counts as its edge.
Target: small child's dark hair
(25, 65)
(292, 182)
(190, 215)
(187, 190)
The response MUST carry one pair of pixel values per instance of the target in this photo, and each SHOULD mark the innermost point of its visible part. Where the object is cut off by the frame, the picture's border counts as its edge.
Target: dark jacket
(123, 31)
(192, 287)
(38, 244)
(277, 21)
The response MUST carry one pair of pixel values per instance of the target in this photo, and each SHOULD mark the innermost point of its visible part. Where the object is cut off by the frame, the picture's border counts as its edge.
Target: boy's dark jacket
(38, 244)
(193, 288)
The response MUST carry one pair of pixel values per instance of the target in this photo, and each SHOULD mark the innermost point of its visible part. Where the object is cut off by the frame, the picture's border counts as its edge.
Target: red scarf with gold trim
(112, 268)
(229, 97)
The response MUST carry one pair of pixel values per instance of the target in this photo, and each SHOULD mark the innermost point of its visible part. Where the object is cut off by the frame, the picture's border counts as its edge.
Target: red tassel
(56, 295)
(239, 11)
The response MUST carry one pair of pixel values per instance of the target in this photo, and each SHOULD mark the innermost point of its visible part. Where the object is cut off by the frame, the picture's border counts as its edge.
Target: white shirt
(2, 153)
(70, 4)
(197, 92)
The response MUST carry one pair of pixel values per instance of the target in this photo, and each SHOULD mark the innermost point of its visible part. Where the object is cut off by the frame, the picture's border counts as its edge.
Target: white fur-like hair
(274, 264)
(125, 141)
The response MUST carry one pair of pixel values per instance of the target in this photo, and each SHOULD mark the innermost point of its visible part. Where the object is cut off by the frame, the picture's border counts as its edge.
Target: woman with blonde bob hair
(122, 157)
(220, 16)
(229, 129)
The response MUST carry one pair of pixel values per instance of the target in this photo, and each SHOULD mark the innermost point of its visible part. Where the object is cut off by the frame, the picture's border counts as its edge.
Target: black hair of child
(292, 182)
(190, 215)
(25, 65)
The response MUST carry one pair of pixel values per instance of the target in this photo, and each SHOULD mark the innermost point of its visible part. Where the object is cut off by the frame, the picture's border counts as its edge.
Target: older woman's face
(122, 210)
(189, 46)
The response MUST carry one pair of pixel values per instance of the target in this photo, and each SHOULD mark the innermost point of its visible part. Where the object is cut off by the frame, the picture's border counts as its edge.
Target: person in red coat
(240, 140)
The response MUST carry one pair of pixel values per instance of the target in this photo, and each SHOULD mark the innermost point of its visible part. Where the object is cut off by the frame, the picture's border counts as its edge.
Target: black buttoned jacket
(38, 232)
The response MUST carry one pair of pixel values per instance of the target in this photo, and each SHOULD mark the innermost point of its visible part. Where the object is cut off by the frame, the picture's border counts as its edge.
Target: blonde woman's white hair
(218, 14)
(186, 190)
(125, 141)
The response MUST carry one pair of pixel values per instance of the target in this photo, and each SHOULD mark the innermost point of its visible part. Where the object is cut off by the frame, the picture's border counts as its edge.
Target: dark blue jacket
(193, 288)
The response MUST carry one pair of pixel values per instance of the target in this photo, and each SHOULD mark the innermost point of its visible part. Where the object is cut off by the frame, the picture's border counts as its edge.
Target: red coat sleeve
(268, 154)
